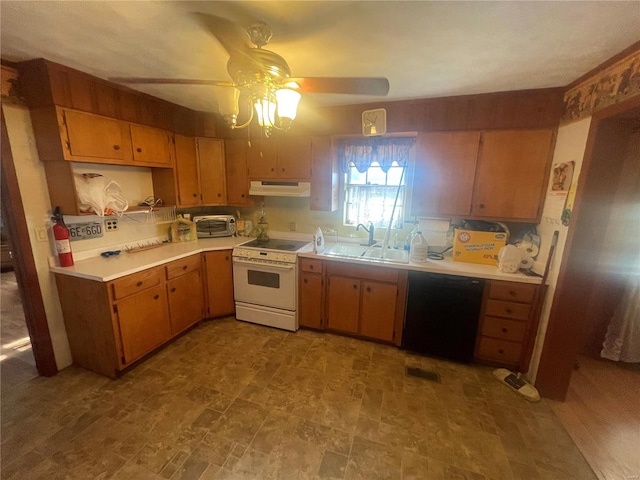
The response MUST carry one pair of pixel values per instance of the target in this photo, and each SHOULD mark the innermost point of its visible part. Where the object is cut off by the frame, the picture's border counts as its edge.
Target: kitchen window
(375, 171)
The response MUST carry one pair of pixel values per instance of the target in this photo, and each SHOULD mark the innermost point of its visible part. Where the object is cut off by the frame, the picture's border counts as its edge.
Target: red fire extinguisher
(61, 235)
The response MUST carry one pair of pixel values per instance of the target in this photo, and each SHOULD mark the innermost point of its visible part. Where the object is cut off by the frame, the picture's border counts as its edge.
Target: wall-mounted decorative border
(612, 85)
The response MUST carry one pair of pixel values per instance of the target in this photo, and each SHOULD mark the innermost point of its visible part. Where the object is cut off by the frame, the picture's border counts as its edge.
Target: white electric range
(265, 282)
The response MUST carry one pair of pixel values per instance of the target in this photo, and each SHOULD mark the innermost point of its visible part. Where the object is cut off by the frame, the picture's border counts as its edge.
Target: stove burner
(276, 244)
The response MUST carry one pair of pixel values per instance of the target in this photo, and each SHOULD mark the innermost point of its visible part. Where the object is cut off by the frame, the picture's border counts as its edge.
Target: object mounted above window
(362, 152)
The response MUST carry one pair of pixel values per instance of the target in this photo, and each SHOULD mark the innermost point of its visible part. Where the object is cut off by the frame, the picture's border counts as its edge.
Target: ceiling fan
(263, 77)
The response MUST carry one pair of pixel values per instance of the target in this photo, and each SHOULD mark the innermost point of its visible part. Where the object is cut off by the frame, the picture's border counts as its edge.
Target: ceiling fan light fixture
(228, 98)
(266, 112)
(287, 104)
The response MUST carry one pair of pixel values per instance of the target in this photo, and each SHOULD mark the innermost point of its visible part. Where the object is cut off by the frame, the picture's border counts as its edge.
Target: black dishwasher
(442, 315)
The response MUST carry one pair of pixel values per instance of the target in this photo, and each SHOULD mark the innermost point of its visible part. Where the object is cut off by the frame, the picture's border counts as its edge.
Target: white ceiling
(425, 49)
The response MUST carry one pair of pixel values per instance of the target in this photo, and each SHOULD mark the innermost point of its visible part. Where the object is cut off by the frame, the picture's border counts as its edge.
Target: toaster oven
(209, 226)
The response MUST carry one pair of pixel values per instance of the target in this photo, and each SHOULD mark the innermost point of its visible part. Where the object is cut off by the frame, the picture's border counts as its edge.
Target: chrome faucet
(369, 231)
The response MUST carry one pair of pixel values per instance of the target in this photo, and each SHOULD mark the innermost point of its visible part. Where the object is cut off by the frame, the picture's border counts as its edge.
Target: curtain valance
(362, 152)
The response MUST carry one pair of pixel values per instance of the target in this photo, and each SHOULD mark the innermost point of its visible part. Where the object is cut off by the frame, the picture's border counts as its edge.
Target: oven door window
(263, 279)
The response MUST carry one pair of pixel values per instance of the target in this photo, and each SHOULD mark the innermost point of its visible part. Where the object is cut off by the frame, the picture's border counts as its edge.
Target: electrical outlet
(292, 226)
(111, 224)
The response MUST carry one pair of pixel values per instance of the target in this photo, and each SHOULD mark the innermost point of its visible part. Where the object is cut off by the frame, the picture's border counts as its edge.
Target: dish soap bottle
(419, 248)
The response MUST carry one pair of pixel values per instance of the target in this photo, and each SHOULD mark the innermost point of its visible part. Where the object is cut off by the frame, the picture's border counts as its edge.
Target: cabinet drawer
(182, 266)
(499, 350)
(512, 292)
(498, 308)
(503, 329)
(137, 282)
(388, 275)
(308, 265)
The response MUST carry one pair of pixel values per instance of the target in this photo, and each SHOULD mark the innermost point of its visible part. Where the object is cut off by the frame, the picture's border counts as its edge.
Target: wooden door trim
(563, 338)
(24, 263)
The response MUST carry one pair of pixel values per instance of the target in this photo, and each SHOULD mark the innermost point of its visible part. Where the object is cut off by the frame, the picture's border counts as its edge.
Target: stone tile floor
(231, 400)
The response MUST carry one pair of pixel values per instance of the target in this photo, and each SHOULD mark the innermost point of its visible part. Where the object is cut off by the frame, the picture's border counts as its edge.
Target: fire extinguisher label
(63, 246)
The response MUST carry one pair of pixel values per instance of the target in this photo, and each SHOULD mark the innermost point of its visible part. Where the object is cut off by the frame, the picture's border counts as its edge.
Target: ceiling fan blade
(232, 36)
(347, 85)
(168, 81)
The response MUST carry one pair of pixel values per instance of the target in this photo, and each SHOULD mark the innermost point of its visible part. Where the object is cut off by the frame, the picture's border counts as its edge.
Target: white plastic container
(419, 248)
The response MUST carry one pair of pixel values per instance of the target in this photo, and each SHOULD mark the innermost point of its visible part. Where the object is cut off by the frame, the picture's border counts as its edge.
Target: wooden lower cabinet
(111, 325)
(506, 320)
(219, 283)
(185, 293)
(144, 324)
(366, 301)
(311, 294)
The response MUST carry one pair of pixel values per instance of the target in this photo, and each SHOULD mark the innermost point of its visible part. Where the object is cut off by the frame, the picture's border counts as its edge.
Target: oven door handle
(279, 266)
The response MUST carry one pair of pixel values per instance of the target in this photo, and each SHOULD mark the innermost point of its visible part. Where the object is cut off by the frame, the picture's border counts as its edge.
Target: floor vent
(426, 374)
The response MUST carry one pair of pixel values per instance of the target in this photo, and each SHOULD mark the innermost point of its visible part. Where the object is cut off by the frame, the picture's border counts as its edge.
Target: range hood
(280, 189)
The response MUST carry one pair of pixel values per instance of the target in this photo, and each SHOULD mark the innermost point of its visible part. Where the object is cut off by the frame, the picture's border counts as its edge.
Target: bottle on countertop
(407, 241)
(419, 248)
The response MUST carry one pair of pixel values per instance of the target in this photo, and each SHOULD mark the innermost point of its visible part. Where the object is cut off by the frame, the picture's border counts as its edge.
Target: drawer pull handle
(512, 293)
(501, 351)
(504, 330)
(227, 258)
(116, 147)
(242, 196)
(355, 286)
(195, 195)
(368, 289)
(305, 280)
(139, 284)
(310, 267)
(184, 267)
(173, 289)
(508, 310)
(156, 297)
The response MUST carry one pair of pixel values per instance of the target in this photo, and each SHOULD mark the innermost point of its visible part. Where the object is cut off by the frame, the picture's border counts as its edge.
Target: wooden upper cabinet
(262, 159)
(213, 185)
(235, 155)
(151, 145)
(187, 180)
(511, 176)
(93, 138)
(287, 158)
(324, 175)
(294, 158)
(444, 173)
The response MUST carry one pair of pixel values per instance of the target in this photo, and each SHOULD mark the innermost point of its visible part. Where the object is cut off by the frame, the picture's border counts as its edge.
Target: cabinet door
(324, 176)
(212, 176)
(444, 173)
(144, 322)
(150, 145)
(219, 283)
(512, 173)
(310, 300)
(262, 159)
(343, 303)
(294, 158)
(235, 156)
(94, 138)
(186, 301)
(187, 171)
(377, 316)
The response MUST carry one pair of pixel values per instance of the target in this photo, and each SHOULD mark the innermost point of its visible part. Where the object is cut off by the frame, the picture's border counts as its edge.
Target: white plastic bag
(98, 195)
(509, 259)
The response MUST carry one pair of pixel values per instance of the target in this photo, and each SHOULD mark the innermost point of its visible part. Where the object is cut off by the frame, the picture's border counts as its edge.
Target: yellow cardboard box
(477, 247)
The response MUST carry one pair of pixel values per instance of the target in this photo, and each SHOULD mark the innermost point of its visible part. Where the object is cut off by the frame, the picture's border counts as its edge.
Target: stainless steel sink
(371, 254)
(390, 255)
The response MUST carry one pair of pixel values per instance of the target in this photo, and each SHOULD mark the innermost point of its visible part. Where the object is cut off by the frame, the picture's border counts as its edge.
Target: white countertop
(106, 269)
(446, 266)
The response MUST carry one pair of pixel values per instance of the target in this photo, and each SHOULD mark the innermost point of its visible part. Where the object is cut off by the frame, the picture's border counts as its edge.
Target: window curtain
(362, 152)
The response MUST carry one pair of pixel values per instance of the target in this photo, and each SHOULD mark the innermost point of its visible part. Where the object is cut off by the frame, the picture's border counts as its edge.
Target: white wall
(37, 208)
(570, 146)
